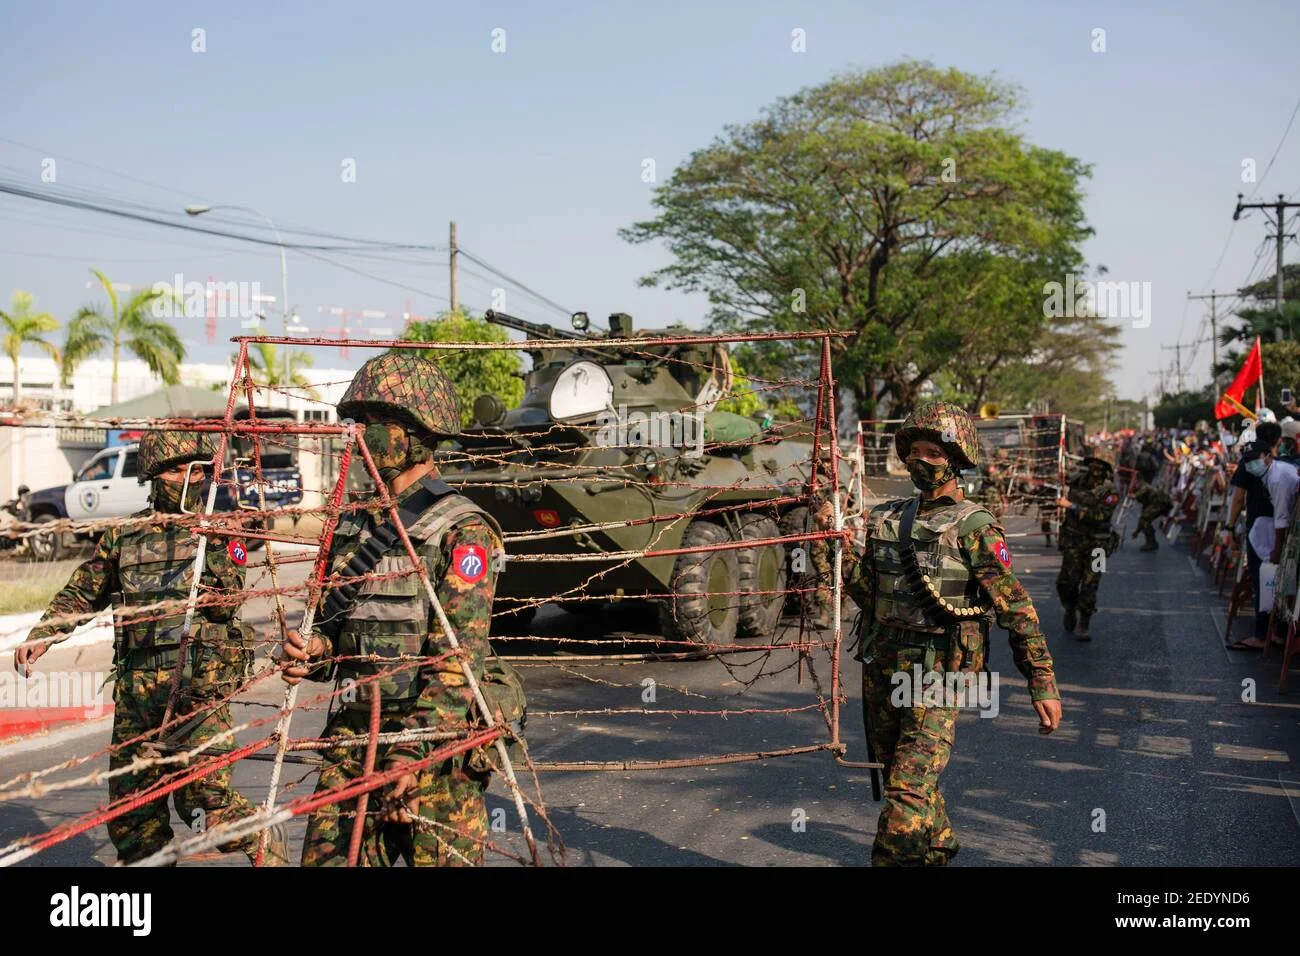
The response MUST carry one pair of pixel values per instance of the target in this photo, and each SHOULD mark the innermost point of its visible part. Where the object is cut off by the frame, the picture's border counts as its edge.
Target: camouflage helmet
(1101, 455)
(402, 386)
(947, 425)
(162, 450)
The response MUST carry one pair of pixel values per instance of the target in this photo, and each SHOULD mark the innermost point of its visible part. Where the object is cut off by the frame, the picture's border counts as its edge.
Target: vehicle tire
(48, 545)
(797, 520)
(704, 608)
(762, 570)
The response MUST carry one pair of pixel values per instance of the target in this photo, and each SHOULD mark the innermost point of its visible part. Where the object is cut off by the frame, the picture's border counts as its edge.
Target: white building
(48, 456)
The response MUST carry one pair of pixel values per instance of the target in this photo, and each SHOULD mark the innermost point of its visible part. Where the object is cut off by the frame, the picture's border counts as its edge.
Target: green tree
(266, 367)
(1185, 409)
(898, 205)
(751, 397)
(473, 371)
(22, 327)
(1067, 371)
(135, 326)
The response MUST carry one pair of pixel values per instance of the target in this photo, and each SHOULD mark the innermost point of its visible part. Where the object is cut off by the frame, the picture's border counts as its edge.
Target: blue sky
(537, 152)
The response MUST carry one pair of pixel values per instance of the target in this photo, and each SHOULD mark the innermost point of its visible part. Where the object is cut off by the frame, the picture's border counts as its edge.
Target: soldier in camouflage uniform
(1086, 531)
(144, 564)
(935, 617)
(408, 405)
(1154, 501)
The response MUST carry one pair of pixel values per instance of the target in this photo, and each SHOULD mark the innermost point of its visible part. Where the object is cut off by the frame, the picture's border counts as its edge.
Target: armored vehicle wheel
(47, 545)
(763, 572)
(797, 520)
(704, 608)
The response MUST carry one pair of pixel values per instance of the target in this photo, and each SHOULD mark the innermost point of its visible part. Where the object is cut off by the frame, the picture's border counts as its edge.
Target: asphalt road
(1159, 761)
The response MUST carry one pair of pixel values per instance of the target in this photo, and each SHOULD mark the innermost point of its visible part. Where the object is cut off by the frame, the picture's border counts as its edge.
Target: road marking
(1219, 631)
(1290, 797)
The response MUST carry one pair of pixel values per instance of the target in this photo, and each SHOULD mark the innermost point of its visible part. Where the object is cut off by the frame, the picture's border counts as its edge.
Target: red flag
(1250, 374)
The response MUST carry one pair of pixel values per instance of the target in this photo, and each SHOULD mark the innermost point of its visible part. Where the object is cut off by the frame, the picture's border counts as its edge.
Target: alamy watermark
(1080, 298)
(79, 690)
(952, 689)
(222, 300)
(619, 428)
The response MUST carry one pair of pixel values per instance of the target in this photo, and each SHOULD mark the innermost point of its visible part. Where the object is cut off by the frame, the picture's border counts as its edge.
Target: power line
(24, 192)
(1285, 132)
(515, 282)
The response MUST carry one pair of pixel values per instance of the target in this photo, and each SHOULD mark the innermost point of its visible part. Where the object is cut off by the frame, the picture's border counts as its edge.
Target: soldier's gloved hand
(297, 654)
(399, 810)
(1049, 715)
(28, 654)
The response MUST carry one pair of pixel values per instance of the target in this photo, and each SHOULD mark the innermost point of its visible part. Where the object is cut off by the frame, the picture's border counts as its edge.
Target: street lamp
(198, 210)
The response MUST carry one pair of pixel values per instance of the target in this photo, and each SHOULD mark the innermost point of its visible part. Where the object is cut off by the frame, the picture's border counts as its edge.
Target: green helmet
(945, 424)
(405, 387)
(1102, 456)
(162, 450)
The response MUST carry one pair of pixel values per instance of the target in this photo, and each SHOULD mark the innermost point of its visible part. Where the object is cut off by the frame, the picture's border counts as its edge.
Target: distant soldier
(1155, 502)
(152, 564)
(935, 574)
(1086, 535)
(990, 495)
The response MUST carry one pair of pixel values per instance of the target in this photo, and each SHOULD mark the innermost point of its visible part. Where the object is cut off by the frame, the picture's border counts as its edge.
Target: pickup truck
(107, 486)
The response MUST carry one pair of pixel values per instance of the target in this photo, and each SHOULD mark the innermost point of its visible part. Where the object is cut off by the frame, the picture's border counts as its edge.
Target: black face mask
(929, 477)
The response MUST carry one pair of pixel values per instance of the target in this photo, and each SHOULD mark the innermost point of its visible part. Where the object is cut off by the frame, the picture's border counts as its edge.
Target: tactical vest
(1092, 521)
(393, 617)
(935, 536)
(156, 565)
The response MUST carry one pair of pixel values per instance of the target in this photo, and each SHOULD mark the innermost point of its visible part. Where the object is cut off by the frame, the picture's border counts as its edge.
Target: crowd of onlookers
(1236, 490)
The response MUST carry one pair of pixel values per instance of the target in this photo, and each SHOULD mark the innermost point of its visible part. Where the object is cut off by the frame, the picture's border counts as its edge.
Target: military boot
(1083, 634)
(277, 847)
(1068, 623)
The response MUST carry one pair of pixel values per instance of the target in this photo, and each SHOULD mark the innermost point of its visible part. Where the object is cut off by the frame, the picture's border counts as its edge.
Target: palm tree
(133, 326)
(266, 368)
(21, 328)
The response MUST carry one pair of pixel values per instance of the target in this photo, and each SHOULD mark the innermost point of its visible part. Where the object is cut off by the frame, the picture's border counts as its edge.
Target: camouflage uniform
(1155, 503)
(821, 559)
(392, 617)
(990, 495)
(963, 551)
(1084, 530)
(146, 564)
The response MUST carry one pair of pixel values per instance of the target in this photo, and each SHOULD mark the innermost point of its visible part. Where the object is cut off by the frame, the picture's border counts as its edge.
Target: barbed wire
(524, 460)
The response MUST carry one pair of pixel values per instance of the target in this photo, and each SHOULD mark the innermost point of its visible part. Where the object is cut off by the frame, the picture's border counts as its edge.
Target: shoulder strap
(341, 598)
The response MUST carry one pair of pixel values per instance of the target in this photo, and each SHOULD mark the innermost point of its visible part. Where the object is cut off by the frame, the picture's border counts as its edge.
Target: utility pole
(1178, 361)
(452, 258)
(1214, 329)
(1279, 209)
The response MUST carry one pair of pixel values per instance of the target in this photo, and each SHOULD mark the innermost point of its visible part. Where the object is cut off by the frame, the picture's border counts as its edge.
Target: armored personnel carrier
(618, 450)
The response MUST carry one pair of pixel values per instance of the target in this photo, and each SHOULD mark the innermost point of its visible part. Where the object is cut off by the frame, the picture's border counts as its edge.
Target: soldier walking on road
(148, 564)
(935, 573)
(1155, 502)
(1086, 538)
